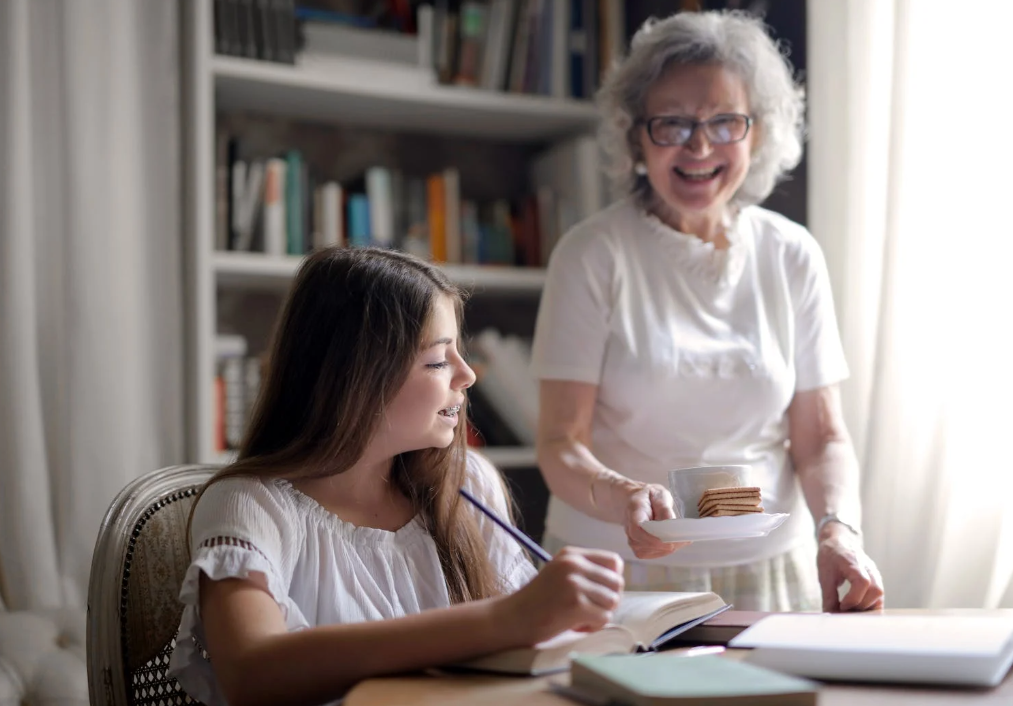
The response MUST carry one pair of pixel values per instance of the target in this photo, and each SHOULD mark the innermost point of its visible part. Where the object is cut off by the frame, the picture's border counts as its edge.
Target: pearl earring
(640, 169)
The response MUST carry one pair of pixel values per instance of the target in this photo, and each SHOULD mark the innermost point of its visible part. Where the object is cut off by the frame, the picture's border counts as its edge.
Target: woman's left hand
(841, 558)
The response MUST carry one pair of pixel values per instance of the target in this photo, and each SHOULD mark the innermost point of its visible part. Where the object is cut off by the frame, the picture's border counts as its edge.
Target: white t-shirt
(696, 353)
(320, 569)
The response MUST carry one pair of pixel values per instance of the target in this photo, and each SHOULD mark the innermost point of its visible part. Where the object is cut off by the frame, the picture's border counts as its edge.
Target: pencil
(524, 539)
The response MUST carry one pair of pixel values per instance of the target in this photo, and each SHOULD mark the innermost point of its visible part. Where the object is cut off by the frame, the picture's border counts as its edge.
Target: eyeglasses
(672, 130)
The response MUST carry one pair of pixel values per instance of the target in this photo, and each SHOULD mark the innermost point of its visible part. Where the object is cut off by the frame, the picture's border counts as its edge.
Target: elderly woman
(685, 325)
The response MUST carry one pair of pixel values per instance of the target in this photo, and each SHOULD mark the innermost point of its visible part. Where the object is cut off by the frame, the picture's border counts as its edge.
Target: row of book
(558, 48)
(503, 404)
(256, 29)
(504, 399)
(277, 206)
(236, 386)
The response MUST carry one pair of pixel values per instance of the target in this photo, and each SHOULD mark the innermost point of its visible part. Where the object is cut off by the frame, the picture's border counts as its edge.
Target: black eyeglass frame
(695, 125)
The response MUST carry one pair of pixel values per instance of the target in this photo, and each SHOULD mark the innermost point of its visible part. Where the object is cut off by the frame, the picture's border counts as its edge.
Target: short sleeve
(509, 559)
(574, 315)
(242, 528)
(819, 355)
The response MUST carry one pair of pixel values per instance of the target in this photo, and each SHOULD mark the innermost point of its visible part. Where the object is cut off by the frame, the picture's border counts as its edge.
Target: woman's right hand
(578, 590)
(648, 501)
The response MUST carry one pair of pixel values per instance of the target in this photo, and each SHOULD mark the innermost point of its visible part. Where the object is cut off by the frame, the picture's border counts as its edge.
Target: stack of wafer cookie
(726, 502)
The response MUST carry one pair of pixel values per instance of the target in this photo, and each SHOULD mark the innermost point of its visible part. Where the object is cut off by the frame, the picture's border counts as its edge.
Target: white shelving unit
(391, 96)
(335, 91)
(501, 456)
(258, 271)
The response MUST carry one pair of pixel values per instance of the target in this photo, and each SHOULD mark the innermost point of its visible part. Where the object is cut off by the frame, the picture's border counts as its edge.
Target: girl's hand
(577, 590)
(649, 501)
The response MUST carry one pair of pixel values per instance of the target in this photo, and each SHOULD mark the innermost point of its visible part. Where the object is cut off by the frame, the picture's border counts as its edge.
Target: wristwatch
(832, 517)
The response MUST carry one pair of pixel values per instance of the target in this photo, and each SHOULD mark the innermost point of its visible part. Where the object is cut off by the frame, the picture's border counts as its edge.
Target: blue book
(358, 221)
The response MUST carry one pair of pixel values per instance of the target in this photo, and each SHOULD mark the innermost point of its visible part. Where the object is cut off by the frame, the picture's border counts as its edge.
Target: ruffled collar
(699, 259)
(410, 532)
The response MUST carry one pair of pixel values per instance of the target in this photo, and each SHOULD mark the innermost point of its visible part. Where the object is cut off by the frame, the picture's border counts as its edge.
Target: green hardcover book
(673, 680)
(295, 186)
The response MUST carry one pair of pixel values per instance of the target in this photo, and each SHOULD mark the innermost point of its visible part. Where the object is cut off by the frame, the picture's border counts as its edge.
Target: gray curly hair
(733, 39)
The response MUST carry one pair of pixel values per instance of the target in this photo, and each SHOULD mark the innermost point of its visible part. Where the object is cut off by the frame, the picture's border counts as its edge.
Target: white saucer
(683, 529)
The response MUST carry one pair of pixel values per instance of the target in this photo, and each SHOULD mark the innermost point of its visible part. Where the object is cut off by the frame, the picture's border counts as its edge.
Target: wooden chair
(141, 556)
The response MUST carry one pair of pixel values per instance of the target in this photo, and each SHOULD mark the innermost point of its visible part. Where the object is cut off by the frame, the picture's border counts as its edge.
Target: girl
(337, 547)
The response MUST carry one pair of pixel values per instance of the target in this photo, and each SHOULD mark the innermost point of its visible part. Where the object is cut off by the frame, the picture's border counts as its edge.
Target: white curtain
(91, 343)
(910, 182)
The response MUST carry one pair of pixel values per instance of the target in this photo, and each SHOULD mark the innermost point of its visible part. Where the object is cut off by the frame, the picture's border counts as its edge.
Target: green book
(667, 679)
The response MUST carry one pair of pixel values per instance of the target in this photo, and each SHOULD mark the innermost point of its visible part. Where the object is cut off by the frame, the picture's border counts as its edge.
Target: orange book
(436, 201)
(218, 414)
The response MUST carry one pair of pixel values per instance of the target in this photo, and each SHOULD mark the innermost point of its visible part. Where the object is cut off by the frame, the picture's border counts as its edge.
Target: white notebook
(972, 648)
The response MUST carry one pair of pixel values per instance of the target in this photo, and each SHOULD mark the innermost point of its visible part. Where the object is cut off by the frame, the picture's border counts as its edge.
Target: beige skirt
(785, 582)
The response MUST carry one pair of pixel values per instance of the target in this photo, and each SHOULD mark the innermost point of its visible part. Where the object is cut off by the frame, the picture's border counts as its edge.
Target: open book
(973, 648)
(644, 622)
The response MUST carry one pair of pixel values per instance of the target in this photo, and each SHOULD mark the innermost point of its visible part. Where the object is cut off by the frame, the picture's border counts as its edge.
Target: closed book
(674, 680)
(452, 215)
(721, 629)
(274, 207)
(958, 649)
(246, 210)
(334, 39)
(379, 193)
(436, 203)
(496, 57)
(358, 221)
(295, 186)
(416, 236)
(644, 621)
(331, 228)
(473, 20)
(284, 31)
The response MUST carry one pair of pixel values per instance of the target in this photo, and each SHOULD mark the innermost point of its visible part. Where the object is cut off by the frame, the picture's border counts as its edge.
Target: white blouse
(697, 354)
(320, 569)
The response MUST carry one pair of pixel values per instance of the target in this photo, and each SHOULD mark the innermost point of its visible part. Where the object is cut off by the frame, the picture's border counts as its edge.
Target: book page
(648, 614)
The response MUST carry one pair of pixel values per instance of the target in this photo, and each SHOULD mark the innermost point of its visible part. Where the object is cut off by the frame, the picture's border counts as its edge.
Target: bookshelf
(229, 286)
(259, 271)
(501, 456)
(391, 96)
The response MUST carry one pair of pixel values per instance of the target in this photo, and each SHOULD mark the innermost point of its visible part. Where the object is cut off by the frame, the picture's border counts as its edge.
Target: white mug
(688, 484)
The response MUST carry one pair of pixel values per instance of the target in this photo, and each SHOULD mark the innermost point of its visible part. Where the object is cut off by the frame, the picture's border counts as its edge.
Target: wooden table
(464, 690)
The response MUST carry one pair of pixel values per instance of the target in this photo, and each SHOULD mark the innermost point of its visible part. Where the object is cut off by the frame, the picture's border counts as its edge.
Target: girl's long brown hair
(348, 334)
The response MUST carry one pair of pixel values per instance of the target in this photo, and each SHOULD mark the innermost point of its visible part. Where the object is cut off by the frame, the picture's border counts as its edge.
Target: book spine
(437, 211)
(331, 227)
(379, 192)
(295, 244)
(358, 220)
(424, 20)
(473, 30)
(248, 207)
(274, 208)
(416, 240)
(497, 45)
(452, 222)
